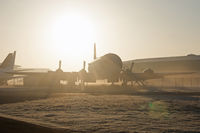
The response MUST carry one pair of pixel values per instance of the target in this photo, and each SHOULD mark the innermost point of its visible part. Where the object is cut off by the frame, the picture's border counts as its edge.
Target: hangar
(189, 63)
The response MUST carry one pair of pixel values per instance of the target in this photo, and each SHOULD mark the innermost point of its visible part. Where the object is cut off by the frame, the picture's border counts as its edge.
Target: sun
(73, 35)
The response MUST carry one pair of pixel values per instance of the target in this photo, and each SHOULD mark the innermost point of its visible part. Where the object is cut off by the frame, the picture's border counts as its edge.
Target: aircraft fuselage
(108, 67)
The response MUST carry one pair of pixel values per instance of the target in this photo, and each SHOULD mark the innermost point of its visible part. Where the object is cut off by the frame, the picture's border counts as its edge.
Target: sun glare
(73, 35)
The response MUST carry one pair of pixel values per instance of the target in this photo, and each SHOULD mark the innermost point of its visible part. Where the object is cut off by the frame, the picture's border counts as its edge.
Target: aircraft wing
(25, 73)
(29, 71)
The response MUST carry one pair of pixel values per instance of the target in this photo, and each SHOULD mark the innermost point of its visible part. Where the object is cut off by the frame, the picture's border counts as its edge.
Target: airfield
(100, 109)
(124, 101)
(102, 66)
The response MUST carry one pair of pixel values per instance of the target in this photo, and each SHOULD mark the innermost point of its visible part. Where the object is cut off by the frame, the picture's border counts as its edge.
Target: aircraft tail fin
(9, 61)
(95, 54)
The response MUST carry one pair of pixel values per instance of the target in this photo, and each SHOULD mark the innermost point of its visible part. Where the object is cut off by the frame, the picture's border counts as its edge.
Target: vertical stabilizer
(95, 56)
(59, 64)
(9, 61)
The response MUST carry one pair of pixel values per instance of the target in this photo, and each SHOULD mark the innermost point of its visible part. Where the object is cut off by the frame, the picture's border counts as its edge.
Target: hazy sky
(44, 31)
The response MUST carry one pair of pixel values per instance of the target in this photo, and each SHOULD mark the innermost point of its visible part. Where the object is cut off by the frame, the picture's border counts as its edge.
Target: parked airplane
(108, 67)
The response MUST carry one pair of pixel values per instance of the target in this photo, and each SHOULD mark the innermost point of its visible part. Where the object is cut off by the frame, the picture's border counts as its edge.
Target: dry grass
(139, 110)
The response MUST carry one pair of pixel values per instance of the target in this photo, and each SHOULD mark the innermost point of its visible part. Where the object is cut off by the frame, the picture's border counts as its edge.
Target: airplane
(110, 67)
(106, 67)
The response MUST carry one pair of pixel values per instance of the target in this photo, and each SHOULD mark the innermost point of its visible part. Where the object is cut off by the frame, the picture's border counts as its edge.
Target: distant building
(189, 63)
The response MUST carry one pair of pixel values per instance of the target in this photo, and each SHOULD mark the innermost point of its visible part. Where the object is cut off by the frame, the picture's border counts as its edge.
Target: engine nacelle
(108, 67)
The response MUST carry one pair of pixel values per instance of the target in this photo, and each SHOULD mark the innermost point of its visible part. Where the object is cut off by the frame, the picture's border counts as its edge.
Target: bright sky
(45, 31)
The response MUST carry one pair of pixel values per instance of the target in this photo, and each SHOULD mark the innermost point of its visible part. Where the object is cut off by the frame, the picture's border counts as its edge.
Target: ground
(106, 109)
